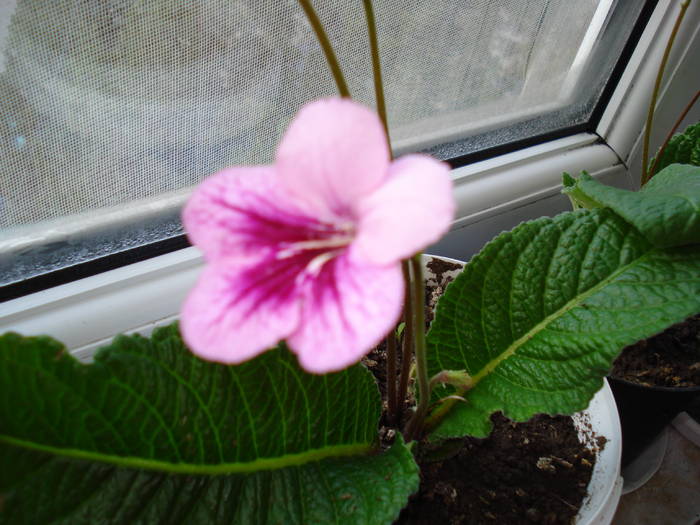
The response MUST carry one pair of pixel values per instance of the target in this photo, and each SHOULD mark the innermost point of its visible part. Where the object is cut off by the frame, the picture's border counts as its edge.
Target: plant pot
(645, 411)
(688, 422)
(653, 381)
(600, 420)
(599, 429)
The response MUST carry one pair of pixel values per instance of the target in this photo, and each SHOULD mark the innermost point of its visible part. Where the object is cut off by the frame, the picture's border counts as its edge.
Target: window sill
(492, 195)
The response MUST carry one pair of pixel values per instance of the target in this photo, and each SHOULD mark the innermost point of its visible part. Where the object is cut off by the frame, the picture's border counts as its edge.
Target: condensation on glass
(113, 109)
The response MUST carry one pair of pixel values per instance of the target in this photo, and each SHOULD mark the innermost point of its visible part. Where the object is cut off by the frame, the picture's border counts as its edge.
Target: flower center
(319, 251)
(315, 245)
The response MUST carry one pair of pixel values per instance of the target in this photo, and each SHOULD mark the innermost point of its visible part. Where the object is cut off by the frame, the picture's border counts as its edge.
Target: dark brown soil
(524, 473)
(533, 472)
(375, 361)
(671, 358)
(433, 290)
(439, 267)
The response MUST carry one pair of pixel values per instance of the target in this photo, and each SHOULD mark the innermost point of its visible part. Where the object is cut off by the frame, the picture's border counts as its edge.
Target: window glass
(112, 110)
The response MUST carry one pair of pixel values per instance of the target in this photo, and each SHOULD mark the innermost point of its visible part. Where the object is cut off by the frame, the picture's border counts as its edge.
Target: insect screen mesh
(115, 103)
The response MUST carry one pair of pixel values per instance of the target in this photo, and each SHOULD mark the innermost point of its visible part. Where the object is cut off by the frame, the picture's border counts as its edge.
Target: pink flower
(308, 250)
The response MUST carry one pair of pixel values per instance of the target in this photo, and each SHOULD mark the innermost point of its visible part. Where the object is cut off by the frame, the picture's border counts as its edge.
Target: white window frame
(492, 196)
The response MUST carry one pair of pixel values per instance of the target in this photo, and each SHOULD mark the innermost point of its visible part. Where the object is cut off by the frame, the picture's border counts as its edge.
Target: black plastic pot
(645, 411)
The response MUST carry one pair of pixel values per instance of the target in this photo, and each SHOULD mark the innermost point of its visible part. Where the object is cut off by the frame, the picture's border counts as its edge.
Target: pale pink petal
(412, 210)
(347, 310)
(239, 309)
(333, 154)
(244, 211)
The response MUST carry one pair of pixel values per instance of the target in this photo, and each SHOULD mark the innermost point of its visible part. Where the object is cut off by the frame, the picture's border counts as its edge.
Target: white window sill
(87, 313)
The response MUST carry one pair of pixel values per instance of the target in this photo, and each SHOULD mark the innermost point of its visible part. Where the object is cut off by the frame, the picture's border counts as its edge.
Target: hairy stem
(415, 425)
(407, 348)
(688, 107)
(325, 43)
(654, 95)
(392, 400)
(376, 65)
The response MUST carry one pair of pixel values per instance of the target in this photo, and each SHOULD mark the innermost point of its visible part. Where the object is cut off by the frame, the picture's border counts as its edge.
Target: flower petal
(245, 211)
(239, 309)
(333, 154)
(346, 312)
(412, 210)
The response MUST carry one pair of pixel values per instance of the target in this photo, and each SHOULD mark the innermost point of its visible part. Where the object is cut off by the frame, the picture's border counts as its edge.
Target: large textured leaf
(666, 210)
(57, 490)
(149, 433)
(683, 148)
(538, 316)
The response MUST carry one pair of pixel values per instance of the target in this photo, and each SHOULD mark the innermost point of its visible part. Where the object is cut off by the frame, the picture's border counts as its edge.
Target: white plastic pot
(600, 419)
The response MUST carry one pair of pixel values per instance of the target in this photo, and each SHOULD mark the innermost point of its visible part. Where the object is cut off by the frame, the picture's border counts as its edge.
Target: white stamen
(317, 262)
(316, 244)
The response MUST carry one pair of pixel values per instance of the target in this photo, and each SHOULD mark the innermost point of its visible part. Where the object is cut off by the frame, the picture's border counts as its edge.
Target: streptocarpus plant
(308, 251)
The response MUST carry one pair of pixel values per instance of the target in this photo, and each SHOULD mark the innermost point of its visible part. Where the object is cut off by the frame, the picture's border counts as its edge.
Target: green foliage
(683, 148)
(148, 431)
(539, 315)
(666, 210)
(59, 490)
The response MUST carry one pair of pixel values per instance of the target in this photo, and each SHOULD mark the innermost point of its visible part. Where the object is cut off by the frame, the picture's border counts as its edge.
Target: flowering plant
(317, 254)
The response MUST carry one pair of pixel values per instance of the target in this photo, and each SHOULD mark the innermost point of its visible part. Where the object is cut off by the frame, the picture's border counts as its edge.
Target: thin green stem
(395, 399)
(325, 43)
(376, 65)
(392, 400)
(657, 86)
(662, 149)
(415, 425)
(395, 403)
(407, 348)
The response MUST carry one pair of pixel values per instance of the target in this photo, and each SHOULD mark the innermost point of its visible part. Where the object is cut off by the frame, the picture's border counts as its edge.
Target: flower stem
(376, 65)
(396, 399)
(407, 348)
(662, 149)
(392, 400)
(414, 427)
(325, 43)
(654, 95)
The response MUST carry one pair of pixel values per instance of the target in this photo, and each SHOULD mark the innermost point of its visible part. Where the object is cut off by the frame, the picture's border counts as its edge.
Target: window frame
(493, 193)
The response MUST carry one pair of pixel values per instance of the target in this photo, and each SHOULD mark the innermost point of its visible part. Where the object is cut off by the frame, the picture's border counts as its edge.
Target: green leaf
(149, 431)
(572, 189)
(539, 315)
(683, 148)
(60, 490)
(666, 210)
